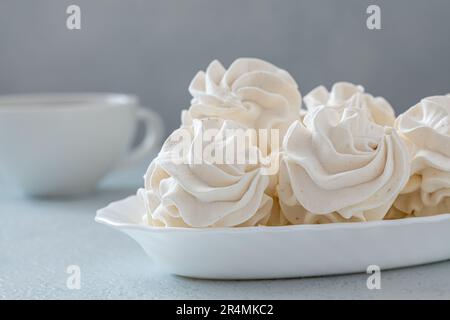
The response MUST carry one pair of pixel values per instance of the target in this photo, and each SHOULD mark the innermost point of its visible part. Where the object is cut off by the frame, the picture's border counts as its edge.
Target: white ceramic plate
(283, 252)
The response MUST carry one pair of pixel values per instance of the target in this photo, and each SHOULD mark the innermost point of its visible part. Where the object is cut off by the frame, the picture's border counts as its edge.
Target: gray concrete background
(154, 48)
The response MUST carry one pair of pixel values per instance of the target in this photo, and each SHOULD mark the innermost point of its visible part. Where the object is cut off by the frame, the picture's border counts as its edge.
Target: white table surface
(40, 238)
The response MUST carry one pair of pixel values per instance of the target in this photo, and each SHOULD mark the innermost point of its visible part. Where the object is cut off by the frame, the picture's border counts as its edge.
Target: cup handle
(153, 132)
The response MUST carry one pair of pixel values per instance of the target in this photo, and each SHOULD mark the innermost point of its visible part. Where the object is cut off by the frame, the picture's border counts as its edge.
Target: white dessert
(203, 193)
(426, 130)
(339, 165)
(251, 92)
(343, 159)
(380, 111)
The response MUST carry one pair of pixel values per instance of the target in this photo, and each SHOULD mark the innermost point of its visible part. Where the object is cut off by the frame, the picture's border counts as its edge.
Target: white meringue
(426, 129)
(207, 194)
(252, 92)
(380, 111)
(341, 166)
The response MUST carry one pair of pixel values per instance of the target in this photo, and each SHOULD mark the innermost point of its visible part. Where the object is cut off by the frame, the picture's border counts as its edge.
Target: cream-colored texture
(339, 165)
(204, 193)
(252, 92)
(426, 130)
(380, 111)
(344, 158)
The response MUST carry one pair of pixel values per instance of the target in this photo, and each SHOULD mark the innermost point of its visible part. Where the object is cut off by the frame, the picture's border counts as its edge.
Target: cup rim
(63, 101)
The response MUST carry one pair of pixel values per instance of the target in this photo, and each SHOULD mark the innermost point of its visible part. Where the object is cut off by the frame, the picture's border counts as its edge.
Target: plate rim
(103, 218)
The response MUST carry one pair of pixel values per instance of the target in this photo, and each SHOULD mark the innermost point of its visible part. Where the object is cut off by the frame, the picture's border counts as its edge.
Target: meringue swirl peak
(425, 128)
(251, 92)
(206, 193)
(342, 165)
(379, 109)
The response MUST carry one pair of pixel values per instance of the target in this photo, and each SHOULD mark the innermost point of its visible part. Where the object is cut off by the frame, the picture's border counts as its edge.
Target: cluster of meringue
(343, 158)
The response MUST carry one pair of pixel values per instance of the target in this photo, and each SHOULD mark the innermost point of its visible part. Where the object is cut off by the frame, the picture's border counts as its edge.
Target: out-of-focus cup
(63, 144)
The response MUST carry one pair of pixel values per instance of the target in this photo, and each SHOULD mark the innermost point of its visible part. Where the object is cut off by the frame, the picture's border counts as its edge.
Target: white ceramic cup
(62, 144)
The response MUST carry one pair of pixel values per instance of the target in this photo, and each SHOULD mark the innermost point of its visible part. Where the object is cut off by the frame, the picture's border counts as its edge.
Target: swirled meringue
(252, 92)
(338, 165)
(380, 111)
(205, 193)
(426, 130)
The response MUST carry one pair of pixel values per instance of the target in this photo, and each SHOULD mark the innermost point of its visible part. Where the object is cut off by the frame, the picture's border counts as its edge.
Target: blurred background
(154, 48)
